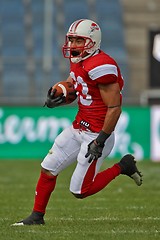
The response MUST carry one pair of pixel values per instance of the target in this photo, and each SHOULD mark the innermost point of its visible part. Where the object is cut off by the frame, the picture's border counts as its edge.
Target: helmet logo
(94, 26)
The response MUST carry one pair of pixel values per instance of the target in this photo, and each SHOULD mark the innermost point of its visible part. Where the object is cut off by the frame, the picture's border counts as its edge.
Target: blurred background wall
(32, 33)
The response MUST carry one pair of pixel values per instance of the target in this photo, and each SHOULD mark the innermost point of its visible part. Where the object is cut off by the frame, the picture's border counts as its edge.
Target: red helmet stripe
(75, 25)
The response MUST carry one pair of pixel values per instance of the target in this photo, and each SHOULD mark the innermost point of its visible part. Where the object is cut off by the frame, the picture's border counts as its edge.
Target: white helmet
(90, 32)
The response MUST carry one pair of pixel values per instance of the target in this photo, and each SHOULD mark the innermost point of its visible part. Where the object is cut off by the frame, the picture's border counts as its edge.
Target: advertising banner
(133, 133)
(29, 132)
(155, 133)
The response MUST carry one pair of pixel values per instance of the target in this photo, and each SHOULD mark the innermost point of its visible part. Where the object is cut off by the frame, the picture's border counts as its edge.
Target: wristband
(102, 137)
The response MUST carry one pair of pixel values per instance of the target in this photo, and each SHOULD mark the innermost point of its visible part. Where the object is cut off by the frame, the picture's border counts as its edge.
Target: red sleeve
(107, 79)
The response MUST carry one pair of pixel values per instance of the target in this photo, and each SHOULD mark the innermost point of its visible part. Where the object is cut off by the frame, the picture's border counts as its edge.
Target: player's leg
(87, 181)
(45, 186)
(63, 153)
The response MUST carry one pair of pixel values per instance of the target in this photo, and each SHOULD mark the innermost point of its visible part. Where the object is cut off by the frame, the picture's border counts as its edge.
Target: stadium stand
(140, 17)
(13, 30)
(37, 9)
(13, 48)
(22, 31)
(74, 10)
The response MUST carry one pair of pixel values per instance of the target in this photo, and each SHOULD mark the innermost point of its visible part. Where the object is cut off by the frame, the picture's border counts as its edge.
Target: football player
(90, 139)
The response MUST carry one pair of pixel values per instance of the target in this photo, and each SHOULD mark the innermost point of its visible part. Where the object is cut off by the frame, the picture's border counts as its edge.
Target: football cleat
(129, 168)
(36, 218)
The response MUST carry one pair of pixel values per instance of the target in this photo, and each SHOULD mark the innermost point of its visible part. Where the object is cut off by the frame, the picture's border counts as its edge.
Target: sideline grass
(122, 211)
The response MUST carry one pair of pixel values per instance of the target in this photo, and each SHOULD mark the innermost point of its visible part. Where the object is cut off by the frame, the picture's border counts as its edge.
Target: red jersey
(87, 74)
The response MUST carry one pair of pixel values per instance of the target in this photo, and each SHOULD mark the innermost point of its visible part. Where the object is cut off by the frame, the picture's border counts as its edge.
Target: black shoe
(129, 168)
(36, 218)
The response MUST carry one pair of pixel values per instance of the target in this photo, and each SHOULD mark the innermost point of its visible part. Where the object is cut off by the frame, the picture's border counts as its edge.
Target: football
(67, 88)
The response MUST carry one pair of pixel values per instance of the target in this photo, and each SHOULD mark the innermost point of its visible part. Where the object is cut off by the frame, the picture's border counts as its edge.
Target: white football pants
(71, 145)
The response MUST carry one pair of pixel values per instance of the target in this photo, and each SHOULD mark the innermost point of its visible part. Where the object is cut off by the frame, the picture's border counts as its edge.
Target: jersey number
(84, 97)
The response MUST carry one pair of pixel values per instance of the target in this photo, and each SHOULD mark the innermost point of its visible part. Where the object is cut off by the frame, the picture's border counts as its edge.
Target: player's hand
(94, 151)
(53, 101)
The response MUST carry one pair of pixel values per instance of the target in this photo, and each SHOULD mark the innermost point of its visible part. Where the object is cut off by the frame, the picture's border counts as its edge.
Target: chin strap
(78, 59)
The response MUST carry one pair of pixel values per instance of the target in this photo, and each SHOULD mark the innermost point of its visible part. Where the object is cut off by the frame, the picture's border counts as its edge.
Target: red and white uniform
(72, 144)
(88, 71)
(87, 74)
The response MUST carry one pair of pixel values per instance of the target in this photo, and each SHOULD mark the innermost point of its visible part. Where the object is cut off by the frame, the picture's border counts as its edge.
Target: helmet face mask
(84, 29)
(76, 51)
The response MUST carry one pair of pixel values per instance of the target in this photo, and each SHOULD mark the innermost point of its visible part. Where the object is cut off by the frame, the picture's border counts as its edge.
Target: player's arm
(111, 97)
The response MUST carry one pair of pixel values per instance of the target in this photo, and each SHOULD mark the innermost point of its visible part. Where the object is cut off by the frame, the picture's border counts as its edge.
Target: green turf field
(121, 211)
